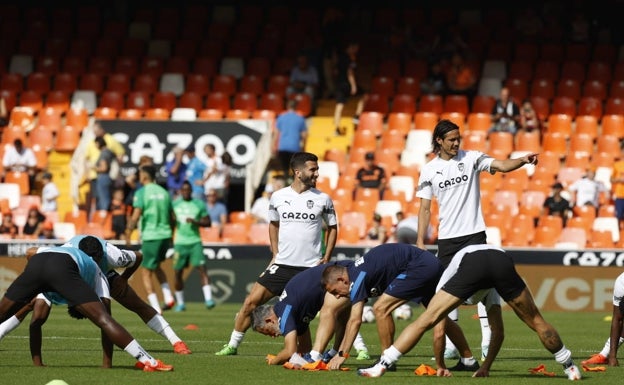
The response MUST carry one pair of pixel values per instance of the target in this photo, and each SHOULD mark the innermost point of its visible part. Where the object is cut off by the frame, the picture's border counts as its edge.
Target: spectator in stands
(119, 214)
(528, 24)
(304, 78)
(176, 171)
(4, 114)
(217, 174)
(8, 228)
(371, 175)
(260, 207)
(505, 113)
(529, 120)
(49, 193)
(195, 170)
(587, 190)
(216, 210)
(292, 132)
(617, 181)
(93, 154)
(34, 223)
(460, 77)
(556, 204)
(346, 84)
(47, 231)
(18, 158)
(407, 230)
(377, 231)
(103, 181)
(435, 82)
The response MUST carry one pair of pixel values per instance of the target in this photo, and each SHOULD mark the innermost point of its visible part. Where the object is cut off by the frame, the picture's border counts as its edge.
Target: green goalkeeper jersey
(188, 233)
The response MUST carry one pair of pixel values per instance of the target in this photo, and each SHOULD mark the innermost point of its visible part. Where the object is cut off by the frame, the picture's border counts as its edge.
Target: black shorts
(484, 269)
(275, 277)
(447, 248)
(51, 271)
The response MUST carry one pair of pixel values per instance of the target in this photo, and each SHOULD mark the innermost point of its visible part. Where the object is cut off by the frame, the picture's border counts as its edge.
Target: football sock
(359, 344)
(564, 356)
(160, 325)
(179, 297)
(467, 361)
(166, 290)
(236, 338)
(8, 326)
(316, 356)
(605, 349)
(153, 301)
(207, 290)
(137, 351)
(391, 355)
(486, 333)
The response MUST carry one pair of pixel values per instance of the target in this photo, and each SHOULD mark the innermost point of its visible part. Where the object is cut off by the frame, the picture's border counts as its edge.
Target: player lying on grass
(302, 298)
(477, 273)
(72, 275)
(608, 354)
(123, 293)
(397, 273)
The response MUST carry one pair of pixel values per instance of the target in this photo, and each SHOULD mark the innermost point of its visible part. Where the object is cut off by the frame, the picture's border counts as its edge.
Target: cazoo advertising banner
(559, 280)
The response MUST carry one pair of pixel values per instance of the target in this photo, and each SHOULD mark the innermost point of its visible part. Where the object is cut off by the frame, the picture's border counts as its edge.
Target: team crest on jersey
(310, 204)
(460, 166)
(374, 292)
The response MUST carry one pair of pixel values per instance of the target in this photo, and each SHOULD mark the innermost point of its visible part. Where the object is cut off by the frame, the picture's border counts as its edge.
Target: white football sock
(391, 355)
(179, 297)
(563, 356)
(166, 290)
(607, 346)
(137, 351)
(454, 316)
(359, 344)
(160, 325)
(153, 301)
(486, 332)
(236, 338)
(8, 326)
(207, 290)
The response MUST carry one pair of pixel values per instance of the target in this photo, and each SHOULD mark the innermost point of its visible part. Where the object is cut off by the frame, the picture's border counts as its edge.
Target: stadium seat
(31, 99)
(38, 82)
(157, 114)
(183, 114)
(608, 144)
(77, 117)
(92, 82)
(245, 101)
(145, 83)
(172, 82)
(403, 103)
(532, 202)
(191, 100)
(259, 234)
(518, 89)
(376, 102)
(383, 85)
(456, 103)
(105, 113)
(608, 224)
(589, 105)
(408, 85)
(431, 103)
(483, 104)
(564, 105)
(139, 100)
(425, 120)
(67, 139)
(572, 236)
(595, 88)
(560, 123)
(527, 141)
(613, 125)
(237, 114)
(210, 234)
(19, 178)
(130, 114)
(253, 84)
(211, 114)
(586, 125)
(113, 99)
(198, 83)
(399, 121)
(555, 142)
(543, 87)
(165, 100)
(614, 106)
(218, 100)
(601, 239)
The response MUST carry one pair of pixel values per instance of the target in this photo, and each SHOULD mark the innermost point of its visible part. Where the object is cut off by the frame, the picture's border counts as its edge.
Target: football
(403, 312)
(368, 316)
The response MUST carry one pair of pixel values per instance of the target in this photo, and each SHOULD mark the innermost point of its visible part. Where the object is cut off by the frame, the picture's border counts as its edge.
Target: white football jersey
(300, 218)
(618, 290)
(455, 184)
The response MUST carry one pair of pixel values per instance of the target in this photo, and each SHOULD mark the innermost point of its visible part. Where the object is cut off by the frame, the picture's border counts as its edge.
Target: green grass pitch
(71, 350)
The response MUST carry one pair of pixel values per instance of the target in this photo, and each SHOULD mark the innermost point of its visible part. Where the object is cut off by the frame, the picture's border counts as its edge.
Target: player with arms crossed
(297, 213)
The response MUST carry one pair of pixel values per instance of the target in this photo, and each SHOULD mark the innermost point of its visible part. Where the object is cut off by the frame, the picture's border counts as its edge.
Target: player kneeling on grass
(608, 354)
(302, 298)
(477, 273)
(114, 258)
(73, 275)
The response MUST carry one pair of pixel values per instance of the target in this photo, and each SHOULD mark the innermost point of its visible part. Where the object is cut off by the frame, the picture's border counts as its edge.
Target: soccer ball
(368, 316)
(403, 312)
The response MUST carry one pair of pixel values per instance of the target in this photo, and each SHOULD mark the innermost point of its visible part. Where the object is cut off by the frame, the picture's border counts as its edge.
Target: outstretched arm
(290, 348)
(506, 165)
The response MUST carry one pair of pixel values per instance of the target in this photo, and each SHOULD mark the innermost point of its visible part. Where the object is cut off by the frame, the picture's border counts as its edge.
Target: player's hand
(444, 372)
(335, 362)
(531, 159)
(613, 361)
(481, 372)
(269, 358)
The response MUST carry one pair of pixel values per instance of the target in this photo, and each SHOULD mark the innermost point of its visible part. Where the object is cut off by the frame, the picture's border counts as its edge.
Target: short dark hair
(443, 127)
(150, 170)
(99, 140)
(300, 158)
(92, 246)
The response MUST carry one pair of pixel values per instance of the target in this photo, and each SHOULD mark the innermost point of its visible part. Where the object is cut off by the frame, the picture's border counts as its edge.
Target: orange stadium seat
(501, 144)
(157, 114)
(400, 121)
(67, 139)
(595, 88)
(483, 104)
(245, 101)
(456, 103)
(589, 105)
(587, 125)
(561, 123)
(543, 87)
(383, 85)
(564, 105)
(613, 125)
(404, 103)
(211, 114)
(614, 106)
(378, 103)
(408, 85)
(425, 120)
(431, 103)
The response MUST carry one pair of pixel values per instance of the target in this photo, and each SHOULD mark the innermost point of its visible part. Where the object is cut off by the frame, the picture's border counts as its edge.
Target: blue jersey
(400, 270)
(301, 300)
(87, 268)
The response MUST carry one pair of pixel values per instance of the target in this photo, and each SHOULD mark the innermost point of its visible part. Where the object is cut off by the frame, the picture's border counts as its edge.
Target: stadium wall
(560, 280)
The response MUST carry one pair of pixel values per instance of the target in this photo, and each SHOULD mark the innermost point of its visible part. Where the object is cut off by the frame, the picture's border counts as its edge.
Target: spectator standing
(176, 171)
(49, 193)
(346, 84)
(217, 174)
(47, 231)
(292, 132)
(556, 204)
(195, 170)
(190, 215)
(103, 181)
(119, 214)
(304, 78)
(617, 181)
(153, 215)
(297, 214)
(4, 114)
(505, 113)
(92, 154)
(217, 210)
(371, 175)
(18, 158)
